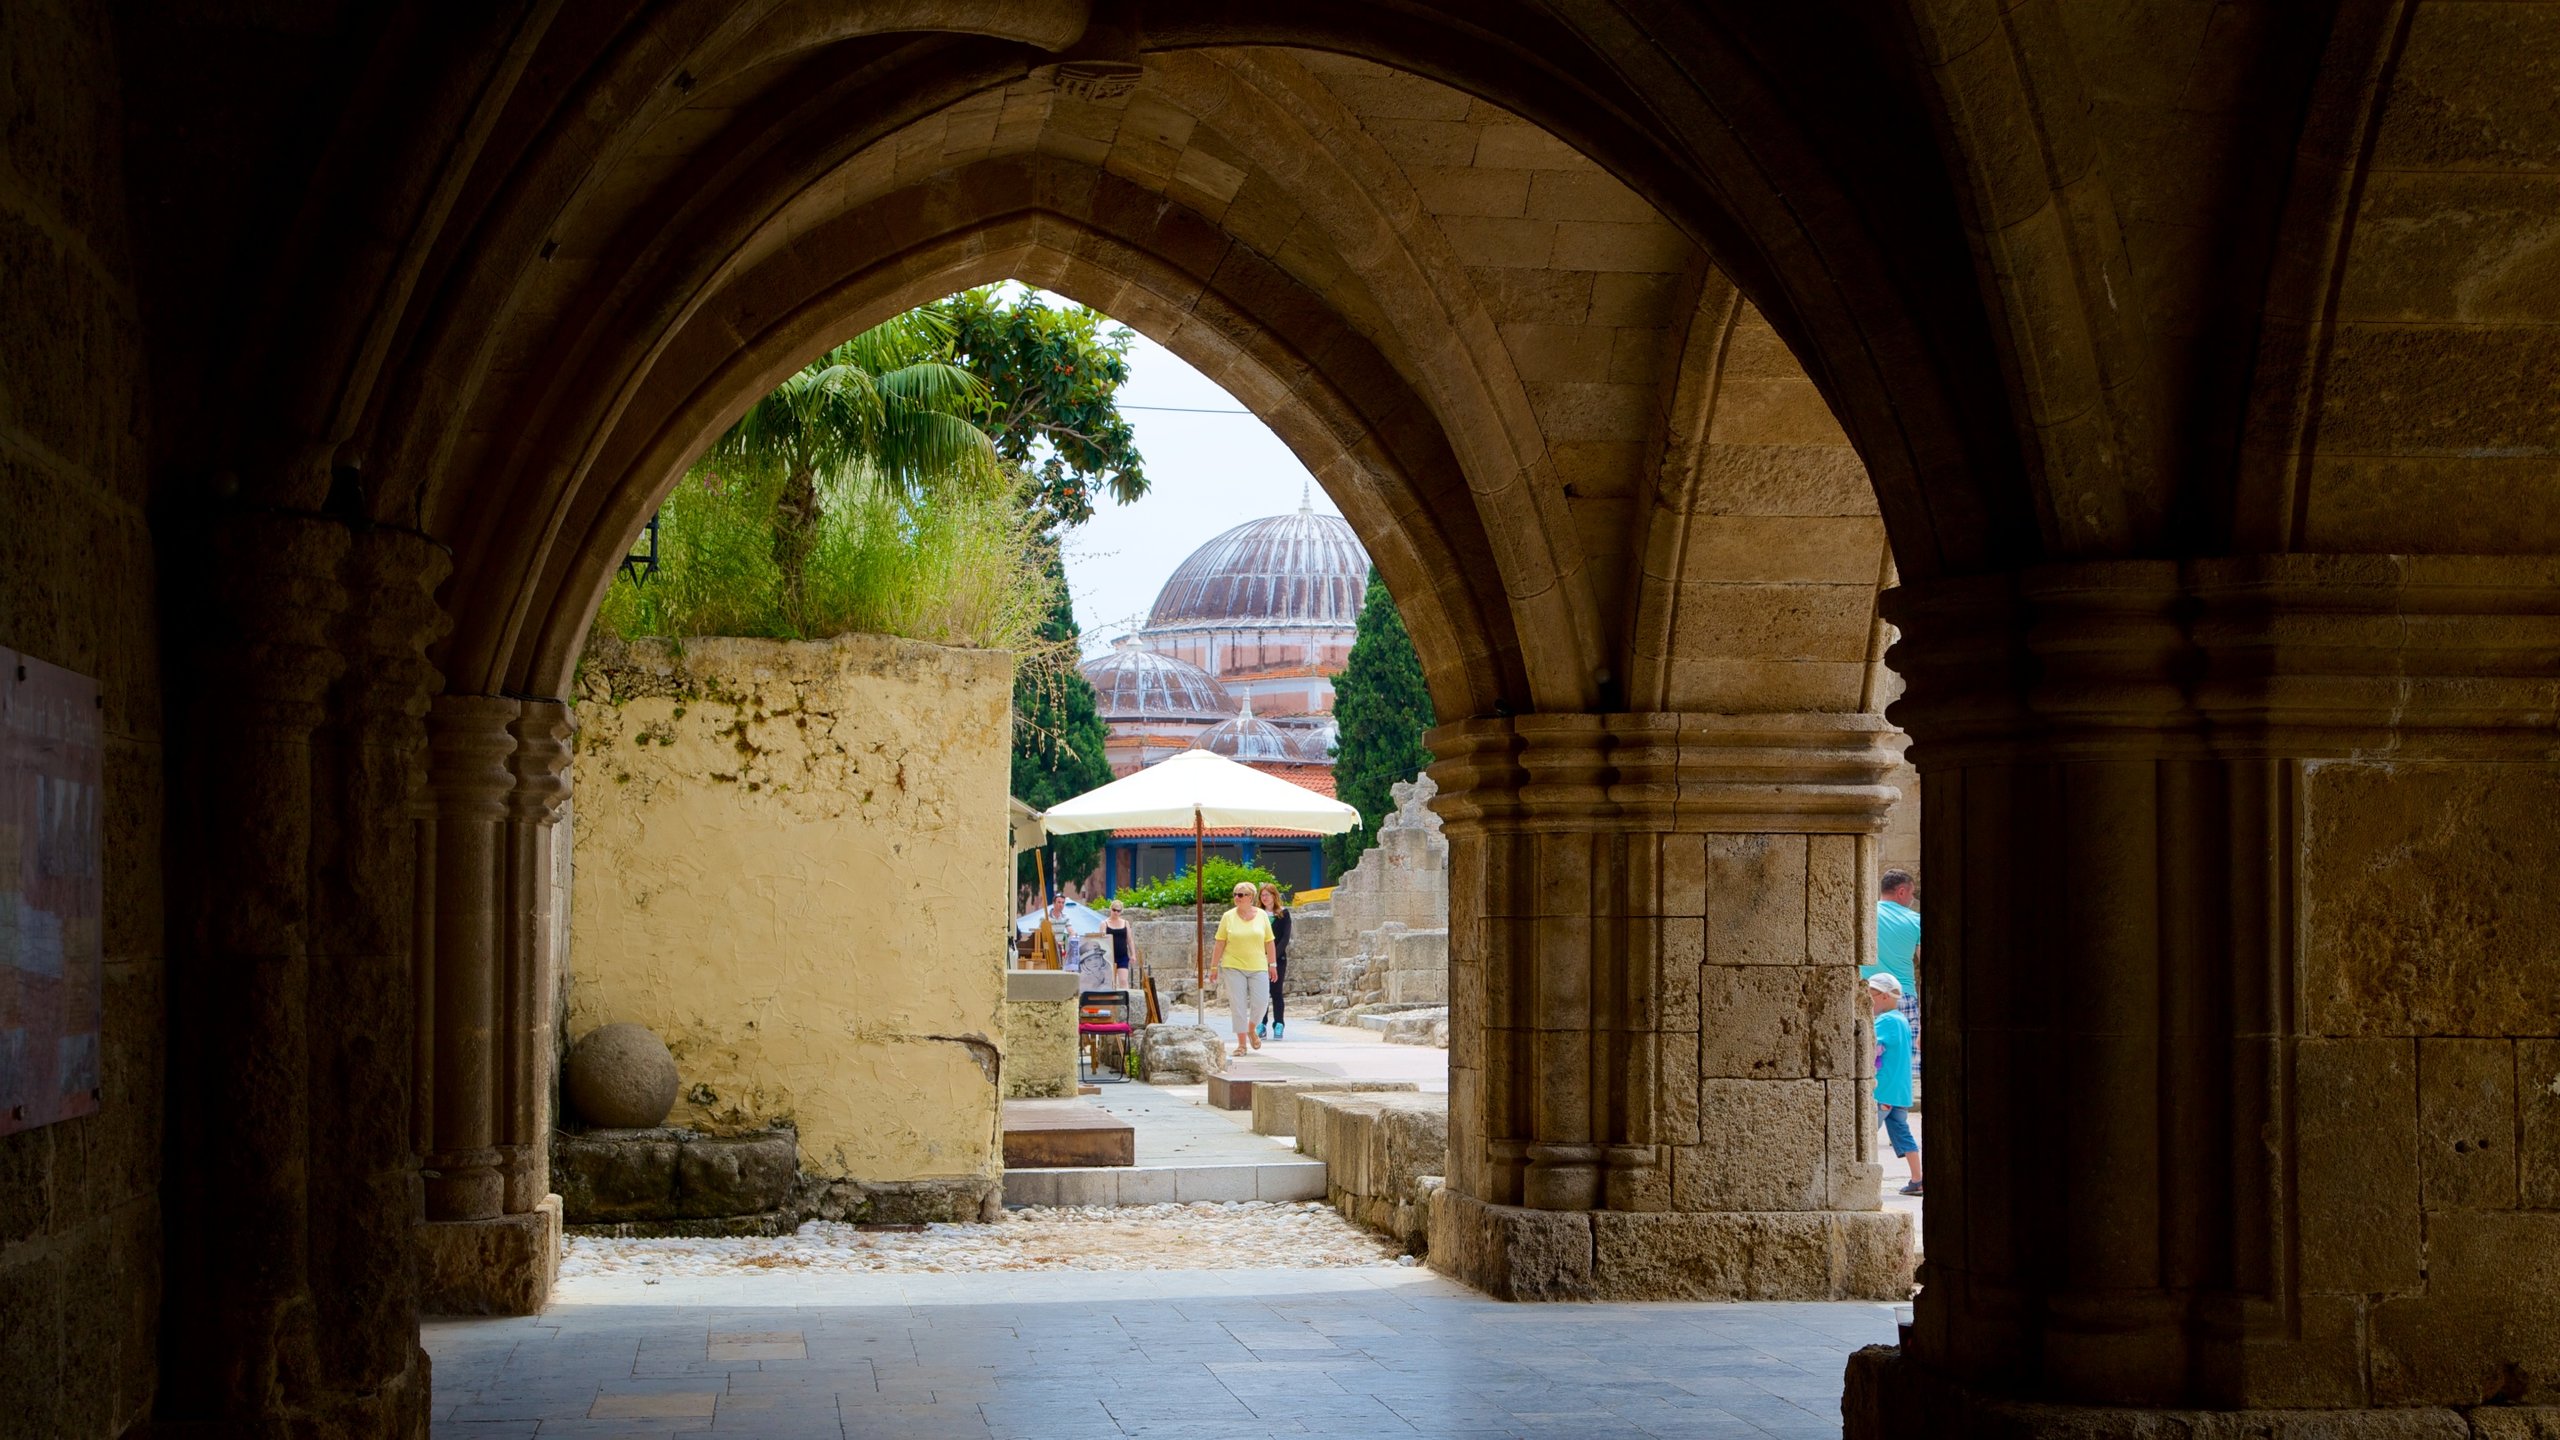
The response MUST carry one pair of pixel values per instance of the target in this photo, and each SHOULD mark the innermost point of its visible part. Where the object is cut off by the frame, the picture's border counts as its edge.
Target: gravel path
(1254, 1235)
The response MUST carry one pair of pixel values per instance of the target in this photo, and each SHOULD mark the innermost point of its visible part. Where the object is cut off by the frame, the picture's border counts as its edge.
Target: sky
(1206, 473)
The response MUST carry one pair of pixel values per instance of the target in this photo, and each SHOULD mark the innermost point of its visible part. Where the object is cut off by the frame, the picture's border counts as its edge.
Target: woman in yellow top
(1246, 960)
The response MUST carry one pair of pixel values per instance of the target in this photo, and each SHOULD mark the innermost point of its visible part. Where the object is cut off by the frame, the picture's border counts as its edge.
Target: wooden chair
(1100, 1013)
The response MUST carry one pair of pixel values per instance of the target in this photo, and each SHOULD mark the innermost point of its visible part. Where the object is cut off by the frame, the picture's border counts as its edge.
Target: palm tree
(886, 408)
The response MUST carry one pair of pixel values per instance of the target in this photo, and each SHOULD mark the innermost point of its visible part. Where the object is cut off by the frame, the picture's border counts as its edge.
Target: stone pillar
(1658, 1083)
(263, 656)
(469, 779)
(527, 1065)
(370, 761)
(2241, 1000)
(495, 782)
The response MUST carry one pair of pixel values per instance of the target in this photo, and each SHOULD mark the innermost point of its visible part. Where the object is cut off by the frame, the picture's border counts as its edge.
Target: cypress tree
(1058, 734)
(1382, 707)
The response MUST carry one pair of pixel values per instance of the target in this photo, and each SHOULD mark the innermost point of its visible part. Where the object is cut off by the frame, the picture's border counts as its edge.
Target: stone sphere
(620, 1077)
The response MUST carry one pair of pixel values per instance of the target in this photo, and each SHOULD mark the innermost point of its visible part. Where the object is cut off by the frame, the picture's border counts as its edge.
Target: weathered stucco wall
(80, 1221)
(791, 863)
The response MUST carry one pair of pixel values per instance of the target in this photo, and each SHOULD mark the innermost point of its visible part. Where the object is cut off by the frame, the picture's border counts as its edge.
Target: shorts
(1896, 1120)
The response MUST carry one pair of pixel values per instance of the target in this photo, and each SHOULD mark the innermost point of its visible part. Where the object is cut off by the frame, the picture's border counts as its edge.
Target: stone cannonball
(620, 1077)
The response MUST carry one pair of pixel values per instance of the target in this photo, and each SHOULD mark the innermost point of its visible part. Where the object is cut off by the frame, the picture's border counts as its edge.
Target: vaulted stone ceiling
(1704, 534)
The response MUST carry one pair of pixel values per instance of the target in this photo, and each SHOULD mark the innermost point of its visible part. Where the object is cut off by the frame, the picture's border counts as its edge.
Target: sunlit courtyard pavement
(1219, 1355)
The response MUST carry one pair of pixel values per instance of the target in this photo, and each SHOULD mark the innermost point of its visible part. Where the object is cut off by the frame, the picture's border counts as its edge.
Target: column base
(503, 1266)
(1890, 1397)
(1513, 1253)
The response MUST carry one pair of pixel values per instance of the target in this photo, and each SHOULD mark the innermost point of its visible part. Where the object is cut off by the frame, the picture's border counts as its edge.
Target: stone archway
(1497, 386)
(2185, 360)
(1514, 475)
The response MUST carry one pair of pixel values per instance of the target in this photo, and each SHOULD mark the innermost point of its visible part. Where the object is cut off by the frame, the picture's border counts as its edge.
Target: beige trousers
(1248, 998)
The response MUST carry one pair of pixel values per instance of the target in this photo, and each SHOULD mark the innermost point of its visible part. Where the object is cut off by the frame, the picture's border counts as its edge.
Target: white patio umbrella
(1200, 788)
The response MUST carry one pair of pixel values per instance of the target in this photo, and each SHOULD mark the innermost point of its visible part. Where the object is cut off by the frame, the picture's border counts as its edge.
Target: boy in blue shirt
(1893, 1071)
(1898, 947)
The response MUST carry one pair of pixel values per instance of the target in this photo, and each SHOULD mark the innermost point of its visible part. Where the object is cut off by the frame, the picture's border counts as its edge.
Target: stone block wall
(1275, 1102)
(1383, 1155)
(1417, 967)
(791, 864)
(80, 1222)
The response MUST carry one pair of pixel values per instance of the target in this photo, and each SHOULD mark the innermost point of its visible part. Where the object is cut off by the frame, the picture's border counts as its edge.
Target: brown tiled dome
(1249, 739)
(1283, 570)
(1134, 683)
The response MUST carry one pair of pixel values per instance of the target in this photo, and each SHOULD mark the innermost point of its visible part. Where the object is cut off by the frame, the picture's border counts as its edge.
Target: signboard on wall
(52, 893)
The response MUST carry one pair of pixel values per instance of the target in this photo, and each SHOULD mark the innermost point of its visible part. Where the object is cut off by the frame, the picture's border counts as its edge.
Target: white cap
(1883, 980)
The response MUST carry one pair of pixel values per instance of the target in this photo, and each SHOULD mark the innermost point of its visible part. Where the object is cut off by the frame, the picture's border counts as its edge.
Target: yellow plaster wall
(791, 863)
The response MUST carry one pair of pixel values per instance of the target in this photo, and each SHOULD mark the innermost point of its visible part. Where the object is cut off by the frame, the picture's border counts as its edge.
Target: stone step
(1054, 1134)
(1291, 1179)
(1379, 1017)
(1231, 1088)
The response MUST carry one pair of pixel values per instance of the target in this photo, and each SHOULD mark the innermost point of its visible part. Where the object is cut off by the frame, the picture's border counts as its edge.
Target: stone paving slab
(1224, 1354)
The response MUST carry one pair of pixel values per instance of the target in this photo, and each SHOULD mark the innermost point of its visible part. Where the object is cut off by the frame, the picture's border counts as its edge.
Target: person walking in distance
(1893, 1072)
(1277, 906)
(1115, 928)
(1247, 959)
(1898, 947)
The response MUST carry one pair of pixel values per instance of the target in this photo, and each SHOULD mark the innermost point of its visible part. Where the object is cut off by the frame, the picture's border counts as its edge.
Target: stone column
(527, 1065)
(2241, 1030)
(1658, 1078)
(369, 767)
(491, 1241)
(262, 657)
(469, 778)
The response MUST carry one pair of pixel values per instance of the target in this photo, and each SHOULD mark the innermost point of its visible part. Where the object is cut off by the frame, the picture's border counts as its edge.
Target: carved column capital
(392, 576)
(275, 596)
(543, 732)
(471, 748)
(2419, 657)
(1794, 773)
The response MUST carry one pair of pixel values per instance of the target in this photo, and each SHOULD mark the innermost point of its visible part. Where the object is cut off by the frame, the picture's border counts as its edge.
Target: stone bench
(1384, 1154)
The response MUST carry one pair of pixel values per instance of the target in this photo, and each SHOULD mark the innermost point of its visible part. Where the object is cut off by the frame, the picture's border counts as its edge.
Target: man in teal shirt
(1898, 948)
(1897, 935)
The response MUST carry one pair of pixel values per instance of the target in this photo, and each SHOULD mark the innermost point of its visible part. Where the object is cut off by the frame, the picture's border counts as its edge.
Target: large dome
(1284, 570)
(1134, 683)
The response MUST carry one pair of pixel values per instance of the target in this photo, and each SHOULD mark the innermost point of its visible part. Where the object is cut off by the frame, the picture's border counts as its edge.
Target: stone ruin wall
(1390, 923)
(789, 857)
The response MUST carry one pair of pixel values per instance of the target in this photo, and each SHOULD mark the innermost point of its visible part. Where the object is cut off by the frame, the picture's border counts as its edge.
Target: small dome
(1315, 740)
(1133, 683)
(1248, 739)
(1282, 570)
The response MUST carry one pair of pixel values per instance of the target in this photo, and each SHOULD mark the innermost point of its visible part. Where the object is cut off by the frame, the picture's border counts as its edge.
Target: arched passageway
(2188, 363)
(1550, 498)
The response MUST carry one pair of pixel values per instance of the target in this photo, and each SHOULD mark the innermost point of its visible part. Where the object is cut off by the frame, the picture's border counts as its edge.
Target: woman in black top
(1273, 902)
(1117, 927)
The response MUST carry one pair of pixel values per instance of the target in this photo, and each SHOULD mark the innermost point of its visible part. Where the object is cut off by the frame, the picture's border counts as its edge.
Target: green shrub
(953, 565)
(1219, 877)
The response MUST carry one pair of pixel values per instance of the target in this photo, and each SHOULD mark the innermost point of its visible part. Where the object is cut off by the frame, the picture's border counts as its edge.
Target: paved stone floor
(1174, 1355)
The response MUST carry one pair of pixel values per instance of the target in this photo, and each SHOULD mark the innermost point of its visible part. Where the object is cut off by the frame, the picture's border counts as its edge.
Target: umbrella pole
(1199, 923)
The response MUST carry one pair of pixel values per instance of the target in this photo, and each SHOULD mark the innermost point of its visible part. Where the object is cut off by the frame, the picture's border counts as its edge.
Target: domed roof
(1297, 569)
(1136, 683)
(1248, 738)
(1315, 741)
